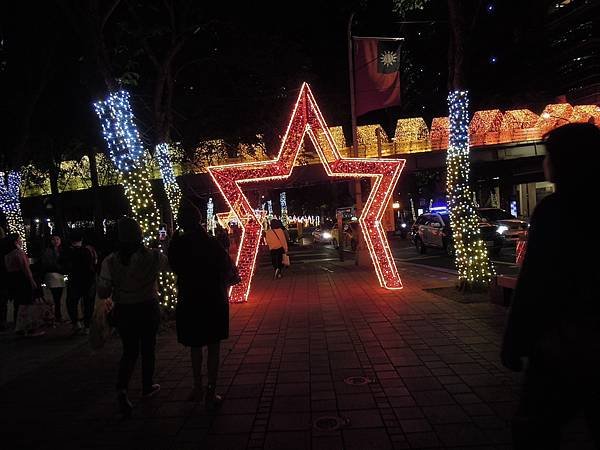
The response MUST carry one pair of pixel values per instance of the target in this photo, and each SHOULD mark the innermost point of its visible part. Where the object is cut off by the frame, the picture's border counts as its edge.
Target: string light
(472, 261)
(485, 127)
(10, 204)
(127, 155)
(439, 133)
(586, 113)
(554, 116)
(411, 135)
(165, 166)
(210, 213)
(284, 211)
(124, 145)
(337, 134)
(306, 119)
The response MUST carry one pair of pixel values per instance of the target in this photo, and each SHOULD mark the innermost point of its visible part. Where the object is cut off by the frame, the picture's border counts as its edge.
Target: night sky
(239, 71)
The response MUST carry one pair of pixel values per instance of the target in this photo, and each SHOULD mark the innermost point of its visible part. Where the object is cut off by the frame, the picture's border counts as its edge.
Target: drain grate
(330, 423)
(358, 381)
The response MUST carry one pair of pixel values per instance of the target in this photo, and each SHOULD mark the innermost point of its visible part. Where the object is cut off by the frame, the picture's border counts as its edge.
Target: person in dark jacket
(553, 327)
(82, 283)
(202, 313)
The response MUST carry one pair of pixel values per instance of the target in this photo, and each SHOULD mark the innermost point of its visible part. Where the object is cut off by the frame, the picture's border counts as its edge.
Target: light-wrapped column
(472, 261)
(10, 203)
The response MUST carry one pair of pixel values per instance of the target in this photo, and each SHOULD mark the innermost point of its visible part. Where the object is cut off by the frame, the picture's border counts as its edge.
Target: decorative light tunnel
(306, 119)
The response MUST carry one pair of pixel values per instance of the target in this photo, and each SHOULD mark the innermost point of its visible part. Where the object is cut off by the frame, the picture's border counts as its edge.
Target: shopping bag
(285, 259)
(100, 329)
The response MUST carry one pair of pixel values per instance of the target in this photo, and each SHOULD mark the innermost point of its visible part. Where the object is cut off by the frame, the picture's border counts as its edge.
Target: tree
(474, 267)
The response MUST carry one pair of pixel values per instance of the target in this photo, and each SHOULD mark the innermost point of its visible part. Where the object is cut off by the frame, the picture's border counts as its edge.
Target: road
(404, 252)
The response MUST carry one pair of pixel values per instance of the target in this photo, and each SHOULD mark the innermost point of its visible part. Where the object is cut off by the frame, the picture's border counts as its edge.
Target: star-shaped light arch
(307, 119)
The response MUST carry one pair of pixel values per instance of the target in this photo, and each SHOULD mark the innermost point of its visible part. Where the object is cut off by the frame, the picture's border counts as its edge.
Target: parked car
(508, 225)
(432, 230)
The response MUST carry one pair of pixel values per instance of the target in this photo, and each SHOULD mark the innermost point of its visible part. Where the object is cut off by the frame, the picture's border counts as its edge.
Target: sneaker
(77, 328)
(125, 406)
(152, 392)
(86, 331)
(212, 401)
(276, 274)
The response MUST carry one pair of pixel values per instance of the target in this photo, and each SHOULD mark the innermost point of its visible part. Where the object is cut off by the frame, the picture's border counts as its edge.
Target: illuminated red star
(307, 120)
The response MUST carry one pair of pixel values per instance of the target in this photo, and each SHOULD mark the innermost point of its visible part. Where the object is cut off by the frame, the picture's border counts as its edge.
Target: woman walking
(20, 285)
(130, 276)
(201, 265)
(52, 267)
(278, 246)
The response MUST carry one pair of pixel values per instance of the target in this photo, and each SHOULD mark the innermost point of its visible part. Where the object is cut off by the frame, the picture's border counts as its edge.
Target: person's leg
(57, 297)
(280, 253)
(196, 357)
(213, 400)
(274, 262)
(131, 349)
(150, 315)
(73, 296)
(88, 305)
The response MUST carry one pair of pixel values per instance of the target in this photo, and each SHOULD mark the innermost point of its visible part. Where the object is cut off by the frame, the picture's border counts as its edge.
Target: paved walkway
(435, 379)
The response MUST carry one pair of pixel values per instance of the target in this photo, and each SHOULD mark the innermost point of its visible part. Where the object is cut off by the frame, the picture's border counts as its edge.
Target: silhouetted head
(129, 231)
(573, 156)
(189, 216)
(76, 237)
(276, 223)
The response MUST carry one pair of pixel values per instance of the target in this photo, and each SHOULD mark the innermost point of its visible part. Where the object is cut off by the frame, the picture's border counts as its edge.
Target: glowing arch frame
(307, 119)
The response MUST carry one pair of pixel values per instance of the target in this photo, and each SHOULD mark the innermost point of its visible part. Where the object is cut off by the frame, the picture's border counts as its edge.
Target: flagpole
(357, 187)
(352, 94)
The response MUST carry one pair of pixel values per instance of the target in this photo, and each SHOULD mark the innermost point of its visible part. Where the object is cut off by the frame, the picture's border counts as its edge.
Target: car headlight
(502, 229)
(326, 235)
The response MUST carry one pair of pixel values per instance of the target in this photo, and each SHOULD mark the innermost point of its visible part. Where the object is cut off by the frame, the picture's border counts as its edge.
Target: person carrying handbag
(278, 246)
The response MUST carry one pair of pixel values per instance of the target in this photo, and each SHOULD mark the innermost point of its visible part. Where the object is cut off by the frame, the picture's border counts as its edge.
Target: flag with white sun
(388, 56)
(376, 73)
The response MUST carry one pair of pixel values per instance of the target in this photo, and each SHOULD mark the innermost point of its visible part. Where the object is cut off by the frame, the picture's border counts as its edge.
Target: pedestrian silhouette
(202, 314)
(130, 277)
(553, 327)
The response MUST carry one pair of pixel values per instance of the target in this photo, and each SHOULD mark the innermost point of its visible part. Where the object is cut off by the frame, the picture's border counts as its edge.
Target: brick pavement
(433, 364)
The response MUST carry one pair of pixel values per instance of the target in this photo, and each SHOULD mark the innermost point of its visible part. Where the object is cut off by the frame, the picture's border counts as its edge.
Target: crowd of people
(69, 270)
(126, 272)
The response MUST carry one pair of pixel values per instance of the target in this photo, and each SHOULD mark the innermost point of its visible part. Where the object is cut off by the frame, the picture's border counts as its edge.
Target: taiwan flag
(376, 74)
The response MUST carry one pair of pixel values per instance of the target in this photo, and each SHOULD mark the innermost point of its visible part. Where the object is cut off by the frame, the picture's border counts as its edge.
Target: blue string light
(284, 211)
(165, 166)
(10, 203)
(124, 145)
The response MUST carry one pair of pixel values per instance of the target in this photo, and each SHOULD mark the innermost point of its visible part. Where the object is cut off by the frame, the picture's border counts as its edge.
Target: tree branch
(108, 14)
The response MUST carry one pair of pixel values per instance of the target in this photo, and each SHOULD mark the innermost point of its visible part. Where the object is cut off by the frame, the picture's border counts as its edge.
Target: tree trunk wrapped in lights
(168, 176)
(472, 261)
(126, 151)
(10, 204)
